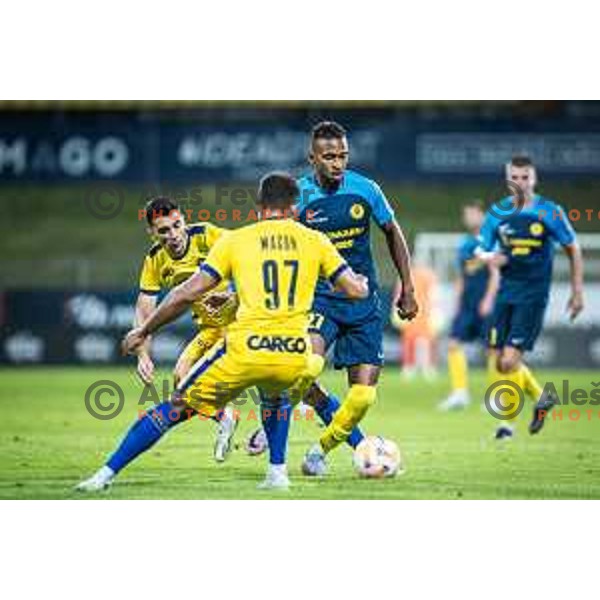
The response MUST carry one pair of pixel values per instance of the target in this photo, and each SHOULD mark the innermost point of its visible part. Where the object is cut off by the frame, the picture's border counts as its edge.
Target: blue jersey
(475, 274)
(344, 215)
(528, 238)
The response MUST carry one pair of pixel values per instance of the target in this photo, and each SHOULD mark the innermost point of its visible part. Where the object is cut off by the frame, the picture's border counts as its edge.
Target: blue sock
(276, 416)
(327, 408)
(143, 434)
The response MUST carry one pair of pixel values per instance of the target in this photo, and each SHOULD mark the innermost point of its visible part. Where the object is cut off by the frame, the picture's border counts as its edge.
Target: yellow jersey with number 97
(274, 265)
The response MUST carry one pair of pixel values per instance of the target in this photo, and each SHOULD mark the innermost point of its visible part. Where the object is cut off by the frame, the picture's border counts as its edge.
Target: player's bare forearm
(396, 293)
(144, 307)
(459, 288)
(355, 286)
(396, 243)
(575, 306)
(178, 301)
(486, 306)
(493, 284)
(491, 259)
(575, 257)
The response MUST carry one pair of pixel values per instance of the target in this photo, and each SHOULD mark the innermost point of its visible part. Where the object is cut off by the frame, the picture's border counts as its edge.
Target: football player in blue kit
(519, 236)
(477, 286)
(342, 204)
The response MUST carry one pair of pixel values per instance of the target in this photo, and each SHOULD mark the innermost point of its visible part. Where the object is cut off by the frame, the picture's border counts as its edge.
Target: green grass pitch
(48, 442)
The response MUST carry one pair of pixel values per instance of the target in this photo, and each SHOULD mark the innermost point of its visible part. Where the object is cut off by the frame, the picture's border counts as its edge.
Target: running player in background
(476, 289)
(519, 235)
(342, 203)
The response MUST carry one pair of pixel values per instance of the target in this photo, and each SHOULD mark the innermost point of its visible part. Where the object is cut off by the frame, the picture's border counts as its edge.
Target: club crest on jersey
(357, 211)
(277, 343)
(536, 229)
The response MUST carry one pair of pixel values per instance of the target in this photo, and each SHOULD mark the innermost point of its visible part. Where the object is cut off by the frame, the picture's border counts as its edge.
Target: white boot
(225, 433)
(99, 481)
(276, 479)
(455, 401)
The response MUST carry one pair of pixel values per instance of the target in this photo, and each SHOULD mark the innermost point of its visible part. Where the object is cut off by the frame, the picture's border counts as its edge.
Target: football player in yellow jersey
(175, 256)
(274, 265)
(178, 251)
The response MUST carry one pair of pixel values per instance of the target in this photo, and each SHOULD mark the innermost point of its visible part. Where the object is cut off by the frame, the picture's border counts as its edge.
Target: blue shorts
(517, 325)
(356, 328)
(469, 326)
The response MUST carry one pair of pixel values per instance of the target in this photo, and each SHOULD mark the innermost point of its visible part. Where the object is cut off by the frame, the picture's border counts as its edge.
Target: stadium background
(73, 177)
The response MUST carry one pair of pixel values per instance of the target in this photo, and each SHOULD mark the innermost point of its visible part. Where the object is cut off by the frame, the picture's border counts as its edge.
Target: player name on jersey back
(279, 242)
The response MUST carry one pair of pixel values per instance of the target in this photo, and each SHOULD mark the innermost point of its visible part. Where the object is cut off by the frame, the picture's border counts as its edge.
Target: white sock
(461, 394)
(105, 474)
(303, 408)
(278, 470)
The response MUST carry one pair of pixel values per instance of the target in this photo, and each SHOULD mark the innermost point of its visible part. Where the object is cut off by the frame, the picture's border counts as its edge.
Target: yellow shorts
(206, 338)
(242, 360)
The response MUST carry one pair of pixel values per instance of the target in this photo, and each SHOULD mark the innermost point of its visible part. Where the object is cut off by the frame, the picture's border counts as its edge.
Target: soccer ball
(257, 442)
(377, 457)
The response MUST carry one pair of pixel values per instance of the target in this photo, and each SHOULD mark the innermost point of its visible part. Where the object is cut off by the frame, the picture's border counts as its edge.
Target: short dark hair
(277, 190)
(327, 130)
(159, 206)
(474, 204)
(521, 160)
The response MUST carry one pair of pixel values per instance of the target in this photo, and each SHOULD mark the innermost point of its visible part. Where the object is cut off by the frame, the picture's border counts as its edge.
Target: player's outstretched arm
(576, 302)
(355, 286)
(491, 259)
(396, 243)
(395, 319)
(177, 302)
(144, 306)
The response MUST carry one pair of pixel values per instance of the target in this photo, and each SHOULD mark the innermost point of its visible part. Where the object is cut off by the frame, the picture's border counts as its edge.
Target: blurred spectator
(419, 336)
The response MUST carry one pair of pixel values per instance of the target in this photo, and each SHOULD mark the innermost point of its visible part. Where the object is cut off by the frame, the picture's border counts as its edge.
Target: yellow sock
(457, 368)
(511, 398)
(353, 409)
(530, 384)
(493, 374)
